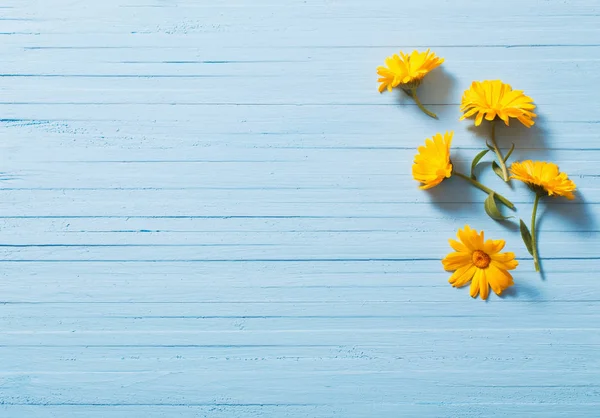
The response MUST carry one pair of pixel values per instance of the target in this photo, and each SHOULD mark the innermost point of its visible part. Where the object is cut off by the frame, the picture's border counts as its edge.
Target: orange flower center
(480, 259)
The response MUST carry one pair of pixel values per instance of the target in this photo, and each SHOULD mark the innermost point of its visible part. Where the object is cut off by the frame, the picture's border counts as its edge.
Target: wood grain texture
(206, 210)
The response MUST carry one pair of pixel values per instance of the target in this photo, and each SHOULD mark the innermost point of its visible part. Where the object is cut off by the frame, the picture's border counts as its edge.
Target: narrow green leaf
(526, 235)
(497, 170)
(492, 209)
(476, 160)
(509, 152)
(490, 147)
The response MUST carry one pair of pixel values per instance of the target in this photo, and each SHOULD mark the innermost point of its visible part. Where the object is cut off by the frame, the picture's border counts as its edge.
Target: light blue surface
(206, 210)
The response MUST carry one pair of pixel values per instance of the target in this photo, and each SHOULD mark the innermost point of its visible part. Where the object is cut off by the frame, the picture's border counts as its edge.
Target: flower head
(406, 70)
(479, 262)
(432, 163)
(493, 98)
(543, 177)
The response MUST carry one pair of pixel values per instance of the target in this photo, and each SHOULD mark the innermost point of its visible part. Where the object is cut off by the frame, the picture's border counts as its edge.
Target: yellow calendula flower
(493, 98)
(543, 177)
(432, 163)
(407, 71)
(479, 262)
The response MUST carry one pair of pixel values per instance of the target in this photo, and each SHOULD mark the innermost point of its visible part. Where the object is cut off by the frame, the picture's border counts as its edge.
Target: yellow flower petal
(456, 260)
(484, 287)
(499, 279)
(462, 276)
(474, 289)
(457, 246)
(470, 238)
(493, 246)
(509, 264)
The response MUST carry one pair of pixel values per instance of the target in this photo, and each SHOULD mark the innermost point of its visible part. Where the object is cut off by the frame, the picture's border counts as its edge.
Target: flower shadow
(456, 194)
(528, 141)
(437, 89)
(522, 289)
(575, 211)
(434, 93)
(453, 194)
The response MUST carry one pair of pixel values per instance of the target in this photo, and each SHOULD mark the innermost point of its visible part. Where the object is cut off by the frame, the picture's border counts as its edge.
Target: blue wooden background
(206, 210)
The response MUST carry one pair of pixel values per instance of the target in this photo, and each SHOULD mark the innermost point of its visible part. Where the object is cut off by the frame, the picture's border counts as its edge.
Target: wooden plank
(206, 210)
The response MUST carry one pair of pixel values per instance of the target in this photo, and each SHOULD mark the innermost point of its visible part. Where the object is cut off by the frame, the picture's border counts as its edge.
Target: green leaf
(492, 209)
(526, 235)
(509, 152)
(476, 160)
(490, 147)
(497, 170)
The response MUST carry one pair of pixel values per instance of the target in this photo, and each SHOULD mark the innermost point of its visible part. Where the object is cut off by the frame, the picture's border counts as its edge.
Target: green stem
(480, 186)
(413, 94)
(499, 153)
(536, 260)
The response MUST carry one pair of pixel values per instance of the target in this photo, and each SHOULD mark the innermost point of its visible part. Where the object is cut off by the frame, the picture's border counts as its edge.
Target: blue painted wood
(206, 209)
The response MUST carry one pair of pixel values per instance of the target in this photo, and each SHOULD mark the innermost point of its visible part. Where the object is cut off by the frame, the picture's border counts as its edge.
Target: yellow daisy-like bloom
(406, 70)
(479, 262)
(432, 163)
(493, 98)
(543, 177)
